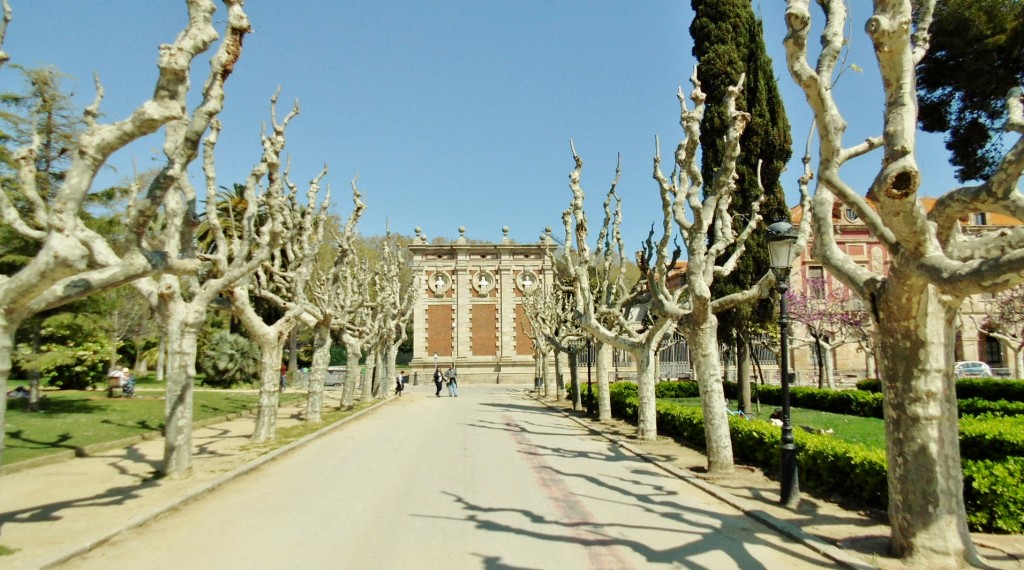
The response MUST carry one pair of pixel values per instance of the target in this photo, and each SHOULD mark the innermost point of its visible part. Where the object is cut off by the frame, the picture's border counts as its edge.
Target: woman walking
(437, 381)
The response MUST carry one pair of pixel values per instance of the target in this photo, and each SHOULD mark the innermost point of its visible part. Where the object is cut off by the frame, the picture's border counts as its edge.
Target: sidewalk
(49, 514)
(855, 539)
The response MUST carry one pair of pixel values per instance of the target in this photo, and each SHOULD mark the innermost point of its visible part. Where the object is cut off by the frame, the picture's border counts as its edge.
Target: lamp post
(782, 238)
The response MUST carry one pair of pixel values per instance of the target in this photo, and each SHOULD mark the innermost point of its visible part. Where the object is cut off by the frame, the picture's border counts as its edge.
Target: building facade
(469, 312)
(852, 360)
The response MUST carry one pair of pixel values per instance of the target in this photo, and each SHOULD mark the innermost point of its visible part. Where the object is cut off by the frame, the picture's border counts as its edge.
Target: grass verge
(71, 419)
(869, 432)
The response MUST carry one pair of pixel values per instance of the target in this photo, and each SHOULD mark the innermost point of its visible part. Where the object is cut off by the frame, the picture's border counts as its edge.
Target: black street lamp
(782, 238)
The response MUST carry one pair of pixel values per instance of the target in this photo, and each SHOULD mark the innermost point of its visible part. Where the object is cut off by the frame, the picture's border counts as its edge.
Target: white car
(972, 369)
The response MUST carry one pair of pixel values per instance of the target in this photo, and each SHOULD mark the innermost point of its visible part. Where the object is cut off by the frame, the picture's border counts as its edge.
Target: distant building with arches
(469, 310)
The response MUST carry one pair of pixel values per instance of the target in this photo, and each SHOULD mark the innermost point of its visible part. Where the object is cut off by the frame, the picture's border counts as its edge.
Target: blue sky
(455, 113)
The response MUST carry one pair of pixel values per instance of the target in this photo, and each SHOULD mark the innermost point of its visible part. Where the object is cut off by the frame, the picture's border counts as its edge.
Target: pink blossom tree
(831, 317)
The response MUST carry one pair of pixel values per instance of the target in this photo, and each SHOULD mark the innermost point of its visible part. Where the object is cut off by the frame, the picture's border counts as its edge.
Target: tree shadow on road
(114, 496)
(600, 539)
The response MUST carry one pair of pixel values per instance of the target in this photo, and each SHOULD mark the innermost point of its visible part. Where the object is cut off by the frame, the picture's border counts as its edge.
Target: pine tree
(728, 40)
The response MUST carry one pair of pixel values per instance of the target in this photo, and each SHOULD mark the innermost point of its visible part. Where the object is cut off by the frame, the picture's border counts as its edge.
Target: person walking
(437, 381)
(453, 384)
(399, 384)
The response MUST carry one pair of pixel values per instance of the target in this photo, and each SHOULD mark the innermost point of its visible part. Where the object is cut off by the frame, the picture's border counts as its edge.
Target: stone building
(851, 360)
(469, 311)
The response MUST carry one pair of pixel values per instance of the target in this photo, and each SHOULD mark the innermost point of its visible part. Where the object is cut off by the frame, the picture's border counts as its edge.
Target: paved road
(489, 480)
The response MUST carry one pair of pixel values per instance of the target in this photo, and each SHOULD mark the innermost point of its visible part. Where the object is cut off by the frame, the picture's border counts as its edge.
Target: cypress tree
(729, 40)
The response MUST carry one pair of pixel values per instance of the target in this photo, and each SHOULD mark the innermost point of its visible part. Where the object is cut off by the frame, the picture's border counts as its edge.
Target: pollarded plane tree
(933, 265)
(356, 328)
(552, 317)
(553, 314)
(609, 312)
(73, 261)
(328, 302)
(395, 300)
(277, 280)
(230, 252)
(701, 212)
(541, 348)
(831, 316)
(1006, 324)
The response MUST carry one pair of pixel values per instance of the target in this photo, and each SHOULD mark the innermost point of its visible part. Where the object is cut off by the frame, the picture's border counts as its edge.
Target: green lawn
(869, 432)
(73, 418)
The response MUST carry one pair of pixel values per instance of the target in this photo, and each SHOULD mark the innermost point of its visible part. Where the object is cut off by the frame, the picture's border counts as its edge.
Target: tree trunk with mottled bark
(647, 413)
(604, 369)
(318, 372)
(701, 335)
(743, 366)
(182, 324)
(272, 345)
(353, 349)
(926, 501)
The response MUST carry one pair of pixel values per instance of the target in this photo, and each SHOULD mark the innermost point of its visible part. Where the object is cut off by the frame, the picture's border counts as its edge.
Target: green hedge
(870, 385)
(993, 389)
(994, 498)
(980, 406)
(991, 438)
(990, 389)
(848, 402)
(676, 390)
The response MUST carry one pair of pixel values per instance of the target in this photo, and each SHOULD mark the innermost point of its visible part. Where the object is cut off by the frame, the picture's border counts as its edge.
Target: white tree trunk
(318, 372)
(743, 366)
(926, 503)
(366, 387)
(182, 324)
(390, 360)
(7, 330)
(161, 360)
(604, 369)
(647, 413)
(538, 369)
(271, 350)
(705, 359)
(574, 382)
(550, 384)
(348, 392)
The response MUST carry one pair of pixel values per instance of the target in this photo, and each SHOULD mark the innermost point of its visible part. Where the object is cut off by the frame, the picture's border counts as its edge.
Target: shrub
(849, 402)
(979, 406)
(994, 499)
(991, 438)
(74, 367)
(870, 385)
(994, 496)
(676, 390)
(229, 359)
(73, 354)
(990, 389)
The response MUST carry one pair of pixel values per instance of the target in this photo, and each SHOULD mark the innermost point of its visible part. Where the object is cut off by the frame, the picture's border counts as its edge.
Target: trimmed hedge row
(848, 402)
(994, 499)
(991, 438)
(992, 389)
(859, 402)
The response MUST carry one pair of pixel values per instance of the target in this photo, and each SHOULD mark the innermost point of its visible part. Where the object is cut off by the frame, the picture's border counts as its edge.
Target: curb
(749, 508)
(134, 522)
